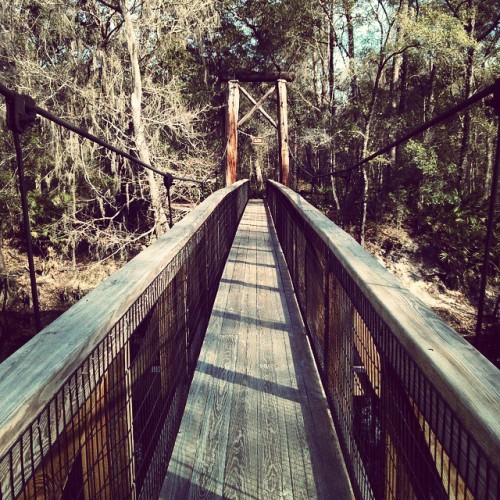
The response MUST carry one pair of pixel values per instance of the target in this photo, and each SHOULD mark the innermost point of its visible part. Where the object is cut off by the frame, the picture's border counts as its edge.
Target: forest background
(144, 76)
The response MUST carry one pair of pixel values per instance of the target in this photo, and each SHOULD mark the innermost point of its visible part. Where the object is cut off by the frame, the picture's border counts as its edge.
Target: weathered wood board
(256, 424)
(44, 386)
(466, 380)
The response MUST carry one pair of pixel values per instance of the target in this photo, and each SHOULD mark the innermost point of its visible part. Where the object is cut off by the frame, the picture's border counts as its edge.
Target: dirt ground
(60, 285)
(400, 254)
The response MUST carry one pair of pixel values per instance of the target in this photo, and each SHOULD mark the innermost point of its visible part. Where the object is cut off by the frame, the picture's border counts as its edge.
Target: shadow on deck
(256, 423)
(91, 406)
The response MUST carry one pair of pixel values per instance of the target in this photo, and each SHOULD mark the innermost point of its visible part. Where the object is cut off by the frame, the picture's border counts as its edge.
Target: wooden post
(283, 132)
(233, 98)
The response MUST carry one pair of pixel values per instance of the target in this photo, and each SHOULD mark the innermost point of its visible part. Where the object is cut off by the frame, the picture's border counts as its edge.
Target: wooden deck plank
(180, 469)
(209, 463)
(275, 477)
(291, 405)
(241, 458)
(256, 423)
(328, 468)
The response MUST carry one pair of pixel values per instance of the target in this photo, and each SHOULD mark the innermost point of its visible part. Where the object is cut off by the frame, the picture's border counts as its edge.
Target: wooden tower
(232, 108)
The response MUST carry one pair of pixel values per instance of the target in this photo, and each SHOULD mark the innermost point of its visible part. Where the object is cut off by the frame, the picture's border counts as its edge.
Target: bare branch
(116, 8)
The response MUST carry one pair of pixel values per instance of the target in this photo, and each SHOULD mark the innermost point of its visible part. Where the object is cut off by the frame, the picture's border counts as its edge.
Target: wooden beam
(264, 113)
(283, 132)
(233, 100)
(465, 380)
(258, 76)
(101, 433)
(256, 107)
(32, 376)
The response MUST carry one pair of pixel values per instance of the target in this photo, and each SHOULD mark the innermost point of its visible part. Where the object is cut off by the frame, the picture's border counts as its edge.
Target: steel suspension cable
(27, 228)
(495, 87)
(31, 107)
(21, 113)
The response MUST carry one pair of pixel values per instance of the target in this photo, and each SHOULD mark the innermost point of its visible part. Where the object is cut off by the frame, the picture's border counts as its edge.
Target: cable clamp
(168, 180)
(21, 112)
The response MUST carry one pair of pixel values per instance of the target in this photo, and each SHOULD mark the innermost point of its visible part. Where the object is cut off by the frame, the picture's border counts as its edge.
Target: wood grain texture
(241, 458)
(180, 468)
(252, 423)
(274, 478)
(232, 107)
(258, 76)
(468, 382)
(320, 461)
(284, 160)
(261, 110)
(256, 107)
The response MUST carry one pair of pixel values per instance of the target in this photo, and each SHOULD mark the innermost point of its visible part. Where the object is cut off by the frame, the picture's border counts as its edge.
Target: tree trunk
(258, 174)
(466, 127)
(396, 72)
(332, 179)
(399, 87)
(4, 275)
(364, 208)
(469, 74)
(429, 101)
(348, 4)
(364, 152)
(331, 60)
(256, 168)
(403, 77)
(315, 79)
(160, 219)
(490, 151)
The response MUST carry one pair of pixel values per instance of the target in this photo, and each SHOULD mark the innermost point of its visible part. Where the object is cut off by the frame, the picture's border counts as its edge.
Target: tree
(107, 68)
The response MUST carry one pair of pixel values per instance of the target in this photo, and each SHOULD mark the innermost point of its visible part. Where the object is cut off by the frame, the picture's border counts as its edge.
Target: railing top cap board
(30, 377)
(467, 380)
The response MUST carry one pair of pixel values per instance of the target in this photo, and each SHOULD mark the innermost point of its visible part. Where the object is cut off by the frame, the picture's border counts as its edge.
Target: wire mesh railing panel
(408, 427)
(105, 425)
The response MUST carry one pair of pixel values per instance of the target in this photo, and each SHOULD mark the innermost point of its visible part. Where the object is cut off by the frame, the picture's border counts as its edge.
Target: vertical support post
(233, 100)
(490, 223)
(283, 132)
(19, 118)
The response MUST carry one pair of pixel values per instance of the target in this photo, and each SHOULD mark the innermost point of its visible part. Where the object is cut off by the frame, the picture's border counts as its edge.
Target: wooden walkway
(256, 424)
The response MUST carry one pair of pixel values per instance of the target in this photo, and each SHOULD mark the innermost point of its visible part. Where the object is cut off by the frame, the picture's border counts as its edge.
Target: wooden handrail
(464, 378)
(31, 376)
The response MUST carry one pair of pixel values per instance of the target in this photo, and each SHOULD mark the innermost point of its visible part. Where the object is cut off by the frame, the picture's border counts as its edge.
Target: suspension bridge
(254, 351)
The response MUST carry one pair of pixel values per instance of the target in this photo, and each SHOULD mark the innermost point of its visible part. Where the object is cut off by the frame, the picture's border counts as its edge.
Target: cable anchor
(21, 112)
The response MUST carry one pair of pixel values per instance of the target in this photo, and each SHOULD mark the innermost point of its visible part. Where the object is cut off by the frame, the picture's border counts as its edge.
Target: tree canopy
(144, 75)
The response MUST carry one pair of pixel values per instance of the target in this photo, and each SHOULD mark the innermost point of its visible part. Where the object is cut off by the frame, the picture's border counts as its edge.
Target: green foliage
(435, 181)
(456, 234)
(45, 208)
(439, 36)
(451, 225)
(366, 72)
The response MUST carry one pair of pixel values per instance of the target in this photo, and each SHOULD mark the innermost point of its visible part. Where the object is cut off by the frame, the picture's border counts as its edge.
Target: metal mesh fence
(109, 428)
(401, 436)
